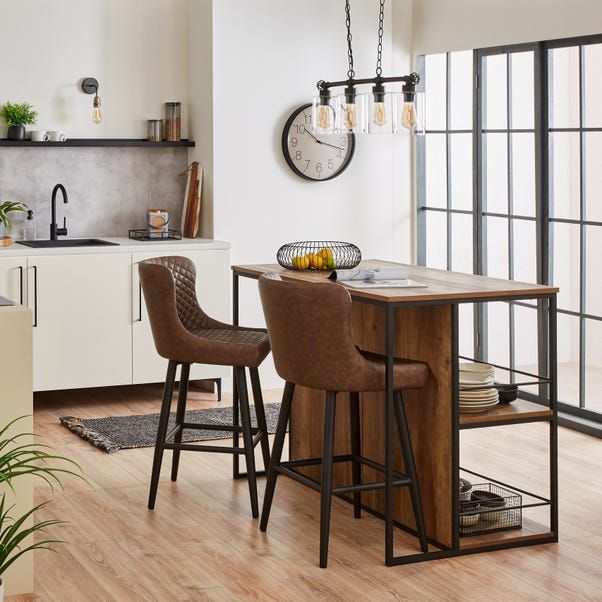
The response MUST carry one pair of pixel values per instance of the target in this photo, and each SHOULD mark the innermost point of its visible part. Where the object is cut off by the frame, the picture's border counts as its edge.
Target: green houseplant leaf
(16, 459)
(6, 208)
(18, 114)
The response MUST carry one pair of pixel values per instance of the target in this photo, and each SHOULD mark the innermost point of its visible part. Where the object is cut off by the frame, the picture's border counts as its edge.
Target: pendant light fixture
(380, 112)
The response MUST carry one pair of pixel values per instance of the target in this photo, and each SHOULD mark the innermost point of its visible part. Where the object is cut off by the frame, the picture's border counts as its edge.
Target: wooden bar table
(422, 324)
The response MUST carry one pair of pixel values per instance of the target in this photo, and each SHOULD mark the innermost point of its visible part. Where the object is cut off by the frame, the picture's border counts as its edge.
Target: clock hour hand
(322, 142)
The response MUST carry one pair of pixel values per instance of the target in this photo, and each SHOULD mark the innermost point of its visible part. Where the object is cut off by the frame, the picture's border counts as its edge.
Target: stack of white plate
(476, 388)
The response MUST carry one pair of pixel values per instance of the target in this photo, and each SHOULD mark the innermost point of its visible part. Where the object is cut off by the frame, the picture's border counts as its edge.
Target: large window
(510, 185)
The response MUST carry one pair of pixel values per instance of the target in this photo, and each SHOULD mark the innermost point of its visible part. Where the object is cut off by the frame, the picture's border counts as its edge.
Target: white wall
(136, 49)
(267, 57)
(443, 25)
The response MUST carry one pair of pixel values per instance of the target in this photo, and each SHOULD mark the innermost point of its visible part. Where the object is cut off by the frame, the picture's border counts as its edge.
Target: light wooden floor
(200, 542)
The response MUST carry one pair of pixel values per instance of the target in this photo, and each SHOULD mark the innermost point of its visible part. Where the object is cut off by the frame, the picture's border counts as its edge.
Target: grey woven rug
(127, 432)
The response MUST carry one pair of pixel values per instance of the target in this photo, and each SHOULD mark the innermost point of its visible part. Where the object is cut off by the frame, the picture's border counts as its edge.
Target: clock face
(314, 156)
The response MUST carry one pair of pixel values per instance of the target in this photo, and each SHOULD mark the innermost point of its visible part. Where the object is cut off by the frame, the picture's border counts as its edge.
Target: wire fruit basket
(318, 255)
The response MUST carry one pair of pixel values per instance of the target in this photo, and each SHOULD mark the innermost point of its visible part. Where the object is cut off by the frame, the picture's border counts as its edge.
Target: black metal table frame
(551, 380)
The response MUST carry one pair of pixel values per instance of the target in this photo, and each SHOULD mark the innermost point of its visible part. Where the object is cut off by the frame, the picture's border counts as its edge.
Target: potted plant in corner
(17, 116)
(5, 223)
(16, 459)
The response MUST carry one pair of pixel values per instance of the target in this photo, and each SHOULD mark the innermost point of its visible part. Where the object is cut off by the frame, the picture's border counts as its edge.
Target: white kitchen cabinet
(82, 320)
(12, 278)
(213, 277)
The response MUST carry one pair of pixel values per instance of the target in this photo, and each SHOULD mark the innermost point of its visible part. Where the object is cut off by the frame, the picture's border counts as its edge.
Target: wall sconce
(90, 86)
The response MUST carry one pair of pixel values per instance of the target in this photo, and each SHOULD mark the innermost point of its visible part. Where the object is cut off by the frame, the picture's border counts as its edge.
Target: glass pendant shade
(352, 116)
(323, 116)
(409, 115)
(380, 114)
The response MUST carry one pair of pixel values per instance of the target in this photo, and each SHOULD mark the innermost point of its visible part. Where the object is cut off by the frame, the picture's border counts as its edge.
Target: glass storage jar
(173, 121)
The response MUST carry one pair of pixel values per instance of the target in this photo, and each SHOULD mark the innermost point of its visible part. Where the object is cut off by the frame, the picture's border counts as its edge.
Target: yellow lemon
(325, 253)
(317, 262)
(303, 263)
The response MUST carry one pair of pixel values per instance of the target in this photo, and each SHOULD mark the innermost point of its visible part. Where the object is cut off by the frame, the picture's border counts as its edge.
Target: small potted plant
(5, 222)
(19, 458)
(17, 116)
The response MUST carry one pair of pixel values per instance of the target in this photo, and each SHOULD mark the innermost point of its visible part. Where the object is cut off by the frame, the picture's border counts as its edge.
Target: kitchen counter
(125, 245)
(89, 310)
(423, 324)
(17, 400)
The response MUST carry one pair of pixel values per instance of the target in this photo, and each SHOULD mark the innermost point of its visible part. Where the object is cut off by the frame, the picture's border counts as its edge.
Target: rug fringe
(75, 425)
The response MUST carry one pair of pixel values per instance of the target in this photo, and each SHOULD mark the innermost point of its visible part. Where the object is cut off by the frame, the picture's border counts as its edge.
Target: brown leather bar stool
(184, 334)
(308, 320)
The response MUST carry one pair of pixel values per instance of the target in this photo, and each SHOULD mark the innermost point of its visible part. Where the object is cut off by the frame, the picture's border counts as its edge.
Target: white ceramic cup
(39, 136)
(57, 136)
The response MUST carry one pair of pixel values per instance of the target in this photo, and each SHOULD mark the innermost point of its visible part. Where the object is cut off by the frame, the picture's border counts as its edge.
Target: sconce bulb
(350, 118)
(324, 118)
(380, 113)
(96, 114)
(408, 115)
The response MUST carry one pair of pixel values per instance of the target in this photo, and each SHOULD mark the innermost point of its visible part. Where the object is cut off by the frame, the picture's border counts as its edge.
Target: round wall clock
(312, 156)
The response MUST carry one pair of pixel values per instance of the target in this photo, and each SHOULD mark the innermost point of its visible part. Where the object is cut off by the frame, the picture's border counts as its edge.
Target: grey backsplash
(109, 189)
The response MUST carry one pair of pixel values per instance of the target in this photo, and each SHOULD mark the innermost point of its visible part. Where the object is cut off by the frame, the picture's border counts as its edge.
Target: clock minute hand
(332, 145)
(322, 142)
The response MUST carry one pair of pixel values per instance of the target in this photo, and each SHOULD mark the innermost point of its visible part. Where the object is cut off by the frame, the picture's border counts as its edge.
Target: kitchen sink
(67, 242)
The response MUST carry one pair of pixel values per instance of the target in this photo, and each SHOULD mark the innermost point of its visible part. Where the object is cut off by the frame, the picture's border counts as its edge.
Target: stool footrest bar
(205, 448)
(369, 486)
(298, 477)
(314, 461)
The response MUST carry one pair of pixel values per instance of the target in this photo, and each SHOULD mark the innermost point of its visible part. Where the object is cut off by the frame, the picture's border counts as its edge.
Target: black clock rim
(289, 161)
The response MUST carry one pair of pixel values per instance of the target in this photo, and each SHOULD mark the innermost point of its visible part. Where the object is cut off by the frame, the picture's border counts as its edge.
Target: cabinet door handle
(139, 303)
(35, 296)
(21, 285)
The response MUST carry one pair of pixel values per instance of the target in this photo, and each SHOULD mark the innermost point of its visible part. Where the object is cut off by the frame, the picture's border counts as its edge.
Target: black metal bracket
(409, 88)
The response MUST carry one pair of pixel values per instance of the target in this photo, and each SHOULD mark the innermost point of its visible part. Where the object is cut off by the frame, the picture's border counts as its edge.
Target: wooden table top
(442, 285)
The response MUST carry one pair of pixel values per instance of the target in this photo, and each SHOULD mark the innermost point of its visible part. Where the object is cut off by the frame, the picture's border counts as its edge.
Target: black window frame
(543, 218)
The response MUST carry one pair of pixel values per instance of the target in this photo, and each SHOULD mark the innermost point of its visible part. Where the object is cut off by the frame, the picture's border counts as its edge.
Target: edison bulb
(380, 113)
(96, 114)
(408, 115)
(324, 117)
(350, 119)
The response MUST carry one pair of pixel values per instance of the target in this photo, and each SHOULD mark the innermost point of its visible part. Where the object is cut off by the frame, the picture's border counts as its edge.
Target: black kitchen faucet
(55, 231)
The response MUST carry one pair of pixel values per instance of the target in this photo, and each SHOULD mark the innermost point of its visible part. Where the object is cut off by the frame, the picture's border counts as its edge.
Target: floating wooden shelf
(520, 410)
(106, 142)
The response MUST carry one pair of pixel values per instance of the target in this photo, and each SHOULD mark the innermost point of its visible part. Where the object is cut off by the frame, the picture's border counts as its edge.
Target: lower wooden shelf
(518, 410)
(530, 530)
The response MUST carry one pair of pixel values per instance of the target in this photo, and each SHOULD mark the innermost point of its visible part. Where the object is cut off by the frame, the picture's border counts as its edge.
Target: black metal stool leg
(410, 468)
(285, 411)
(162, 431)
(326, 484)
(247, 437)
(356, 451)
(218, 384)
(260, 413)
(180, 414)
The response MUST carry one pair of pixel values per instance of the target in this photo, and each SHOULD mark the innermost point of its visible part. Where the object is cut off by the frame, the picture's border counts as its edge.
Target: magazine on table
(376, 278)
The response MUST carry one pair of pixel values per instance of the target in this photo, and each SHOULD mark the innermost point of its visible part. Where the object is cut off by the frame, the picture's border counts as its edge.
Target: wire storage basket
(488, 508)
(319, 255)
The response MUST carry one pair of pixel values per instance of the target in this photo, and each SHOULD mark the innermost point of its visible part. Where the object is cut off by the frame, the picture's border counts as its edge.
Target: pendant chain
(350, 71)
(379, 48)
